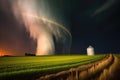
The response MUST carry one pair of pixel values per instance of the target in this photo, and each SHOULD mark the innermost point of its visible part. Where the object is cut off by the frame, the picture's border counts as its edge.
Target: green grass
(21, 67)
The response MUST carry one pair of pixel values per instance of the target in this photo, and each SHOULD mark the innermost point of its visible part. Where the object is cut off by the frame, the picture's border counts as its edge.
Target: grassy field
(29, 66)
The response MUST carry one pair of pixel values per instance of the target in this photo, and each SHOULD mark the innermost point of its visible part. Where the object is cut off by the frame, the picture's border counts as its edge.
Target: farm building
(90, 51)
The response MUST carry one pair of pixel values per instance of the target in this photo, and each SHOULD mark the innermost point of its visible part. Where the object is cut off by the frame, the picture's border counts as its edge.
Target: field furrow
(105, 69)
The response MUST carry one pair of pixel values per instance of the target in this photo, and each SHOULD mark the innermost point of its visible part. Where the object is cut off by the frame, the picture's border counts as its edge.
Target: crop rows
(105, 69)
(25, 67)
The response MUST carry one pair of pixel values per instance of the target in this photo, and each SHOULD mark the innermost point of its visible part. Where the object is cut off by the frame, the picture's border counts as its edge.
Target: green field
(29, 66)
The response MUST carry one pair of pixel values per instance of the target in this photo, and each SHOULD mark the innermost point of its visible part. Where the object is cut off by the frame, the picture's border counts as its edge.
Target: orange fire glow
(3, 52)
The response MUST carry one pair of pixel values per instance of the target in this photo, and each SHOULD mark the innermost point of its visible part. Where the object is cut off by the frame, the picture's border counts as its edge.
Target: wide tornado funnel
(51, 37)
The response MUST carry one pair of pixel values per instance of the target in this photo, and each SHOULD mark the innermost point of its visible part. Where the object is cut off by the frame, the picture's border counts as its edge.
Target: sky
(96, 23)
(90, 22)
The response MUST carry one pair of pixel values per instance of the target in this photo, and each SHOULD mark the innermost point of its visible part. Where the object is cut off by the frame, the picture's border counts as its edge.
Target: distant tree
(29, 54)
(6, 55)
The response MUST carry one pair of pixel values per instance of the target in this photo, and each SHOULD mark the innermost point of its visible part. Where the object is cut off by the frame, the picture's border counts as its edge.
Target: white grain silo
(90, 50)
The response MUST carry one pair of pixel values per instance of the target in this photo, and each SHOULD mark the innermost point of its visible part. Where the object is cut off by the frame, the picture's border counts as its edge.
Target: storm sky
(91, 22)
(96, 23)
